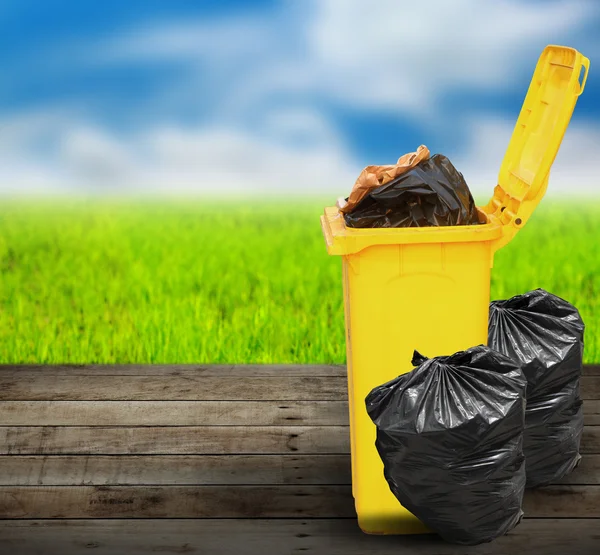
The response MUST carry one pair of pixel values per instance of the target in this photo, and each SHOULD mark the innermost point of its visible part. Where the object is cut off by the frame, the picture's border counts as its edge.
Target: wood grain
(590, 440)
(187, 387)
(173, 413)
(279, 536)
(242, 502)
(175, 501)
(591, 369)
(589, 387)
(199, 440)
(563, 501)
(588, 472)
(177, 469)
(591, 412)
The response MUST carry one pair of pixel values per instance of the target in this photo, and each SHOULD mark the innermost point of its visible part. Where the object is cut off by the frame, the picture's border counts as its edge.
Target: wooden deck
(222, 460)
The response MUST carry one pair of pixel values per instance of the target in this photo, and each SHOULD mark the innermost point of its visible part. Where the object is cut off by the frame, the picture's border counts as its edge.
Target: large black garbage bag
(450, 436)
(545, 334)
(434, 193)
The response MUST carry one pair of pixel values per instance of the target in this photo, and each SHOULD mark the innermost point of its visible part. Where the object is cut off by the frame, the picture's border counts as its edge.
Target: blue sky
(274, 97)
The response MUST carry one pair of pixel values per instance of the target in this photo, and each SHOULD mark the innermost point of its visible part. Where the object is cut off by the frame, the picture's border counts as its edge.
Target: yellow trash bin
(429, 288)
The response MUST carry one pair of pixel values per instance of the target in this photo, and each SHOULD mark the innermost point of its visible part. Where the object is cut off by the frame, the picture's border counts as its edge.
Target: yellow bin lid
(523, 177)
(536, 138)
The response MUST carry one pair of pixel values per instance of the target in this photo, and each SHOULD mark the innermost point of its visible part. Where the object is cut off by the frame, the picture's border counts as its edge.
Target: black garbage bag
(545, 334)
(433, 193)
(450, 436)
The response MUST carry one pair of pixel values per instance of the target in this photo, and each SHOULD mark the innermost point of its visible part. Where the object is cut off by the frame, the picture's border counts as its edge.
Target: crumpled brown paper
(375, 176)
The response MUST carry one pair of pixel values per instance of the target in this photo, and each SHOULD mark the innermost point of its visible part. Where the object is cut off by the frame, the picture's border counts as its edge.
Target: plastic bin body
(432, 297)
(429, 288)
(454, 280)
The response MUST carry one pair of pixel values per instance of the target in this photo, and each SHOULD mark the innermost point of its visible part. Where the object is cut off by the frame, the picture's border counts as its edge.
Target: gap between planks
(217, 370)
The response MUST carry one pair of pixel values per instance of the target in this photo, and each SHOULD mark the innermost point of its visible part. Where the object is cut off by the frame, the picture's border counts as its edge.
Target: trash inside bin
(450, 434)
(374, 176)
(433, 193)
(544, 333)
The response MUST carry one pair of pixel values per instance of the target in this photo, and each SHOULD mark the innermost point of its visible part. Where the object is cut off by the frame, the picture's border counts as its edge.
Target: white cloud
(225, 160)
(27, 164)
(574, 170)
(186, 41)
(175, 160)
(392, 54)
(93, 157)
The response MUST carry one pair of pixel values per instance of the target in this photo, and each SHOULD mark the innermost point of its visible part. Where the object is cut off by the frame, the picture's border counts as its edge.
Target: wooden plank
(589, 387)
(591, 369)
(257, 537)
(214, 370)
(79, 470)
(591, 412)
(191, 386)
(173, 413)
(199, 440)
(563, 501)
(188, 387)
(190, 440)
(175, 501)
(240, 501)
(590, 440)
(588, 472)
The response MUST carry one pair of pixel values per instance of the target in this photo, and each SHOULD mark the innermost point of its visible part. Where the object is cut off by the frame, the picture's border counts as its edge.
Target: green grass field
(191, 281)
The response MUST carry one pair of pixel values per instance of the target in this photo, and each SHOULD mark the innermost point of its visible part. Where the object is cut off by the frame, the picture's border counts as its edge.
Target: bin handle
(585, 64)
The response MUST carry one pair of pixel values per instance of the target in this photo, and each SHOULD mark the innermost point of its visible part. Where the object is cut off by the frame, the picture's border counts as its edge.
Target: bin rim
(343, 240)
